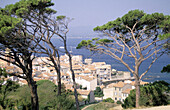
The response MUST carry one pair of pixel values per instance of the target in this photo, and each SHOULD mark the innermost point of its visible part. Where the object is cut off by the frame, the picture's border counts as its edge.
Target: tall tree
(57, 27)
(17, 30)
(64, 37)
(134, 36)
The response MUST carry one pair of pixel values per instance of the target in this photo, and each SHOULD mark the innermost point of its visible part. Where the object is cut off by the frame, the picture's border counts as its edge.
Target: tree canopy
(17, 29)
(137, 36)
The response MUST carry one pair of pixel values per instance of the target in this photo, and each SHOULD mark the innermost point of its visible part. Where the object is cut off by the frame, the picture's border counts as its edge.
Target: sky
(92, 13)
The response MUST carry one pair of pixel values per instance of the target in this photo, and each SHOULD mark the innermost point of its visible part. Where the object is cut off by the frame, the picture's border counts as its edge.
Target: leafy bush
(151, 95)
(80, 86)
(119, 102)
(84, 88)
(98, 92)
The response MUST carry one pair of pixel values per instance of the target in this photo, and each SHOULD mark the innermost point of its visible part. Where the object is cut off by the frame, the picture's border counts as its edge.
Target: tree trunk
(31, 83)
(137, 87)
(73, 75)
(57, 68)
(34, 96)
(59, 82)
(74, 82)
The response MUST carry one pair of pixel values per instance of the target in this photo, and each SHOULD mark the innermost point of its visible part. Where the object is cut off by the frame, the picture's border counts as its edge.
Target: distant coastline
(153, 74)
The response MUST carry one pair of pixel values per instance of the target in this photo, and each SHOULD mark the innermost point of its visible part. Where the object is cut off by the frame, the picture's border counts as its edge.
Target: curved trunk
(74, 82)
(73, 76)
(57, 68)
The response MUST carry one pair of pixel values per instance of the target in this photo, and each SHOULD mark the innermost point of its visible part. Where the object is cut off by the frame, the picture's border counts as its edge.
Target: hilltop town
(88, 75)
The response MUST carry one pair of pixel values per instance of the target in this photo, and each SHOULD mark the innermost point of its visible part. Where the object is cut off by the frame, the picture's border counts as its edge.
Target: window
(115, 98)
(119, 89)
(115, 88)
(115, 93)
(120, 99)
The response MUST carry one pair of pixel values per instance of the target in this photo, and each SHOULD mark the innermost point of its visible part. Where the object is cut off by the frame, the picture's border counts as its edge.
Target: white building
(86, 81)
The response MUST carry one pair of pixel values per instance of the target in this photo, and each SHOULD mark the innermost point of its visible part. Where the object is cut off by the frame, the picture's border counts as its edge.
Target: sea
(154, 74)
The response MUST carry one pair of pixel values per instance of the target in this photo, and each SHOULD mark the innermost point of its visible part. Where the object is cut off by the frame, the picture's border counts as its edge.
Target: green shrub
(98, 92)
(150, 95)
(119, 102)
(108, 100)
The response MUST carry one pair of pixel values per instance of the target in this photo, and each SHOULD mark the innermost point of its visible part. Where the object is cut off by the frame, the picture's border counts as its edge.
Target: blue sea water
(152, 75)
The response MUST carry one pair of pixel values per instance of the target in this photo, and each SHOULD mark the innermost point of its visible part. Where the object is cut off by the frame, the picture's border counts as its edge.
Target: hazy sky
(97, 12)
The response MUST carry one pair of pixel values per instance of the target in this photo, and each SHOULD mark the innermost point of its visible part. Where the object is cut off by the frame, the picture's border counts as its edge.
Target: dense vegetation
(48, 99)
(101, 106)
(166, 69)
(109, 100)
(6, 87)
(154, 94)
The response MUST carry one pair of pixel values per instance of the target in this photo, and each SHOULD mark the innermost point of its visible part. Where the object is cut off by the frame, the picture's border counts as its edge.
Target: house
(76, 59)
(114, 90)
(88, 61)
(125, 93)
(86, 81)
(102, 71)
(87, 94)
(119, 91)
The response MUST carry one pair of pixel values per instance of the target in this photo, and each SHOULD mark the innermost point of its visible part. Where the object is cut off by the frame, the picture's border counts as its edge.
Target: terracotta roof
(98, 63)
(48, 74)
(77, 72)
(23, 81)
(83, 92)
(119, 84)
(64, 74)
(69, 86)
(90, 67)
(102, 86)
(127, 91)
(41, 75)
(37, 79)
(9, 67)
(87, 78)
(86, 71)
(77, 67)
(65, 65)
(141, 83)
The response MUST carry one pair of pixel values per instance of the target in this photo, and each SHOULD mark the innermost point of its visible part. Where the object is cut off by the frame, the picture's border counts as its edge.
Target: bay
(154, 74)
